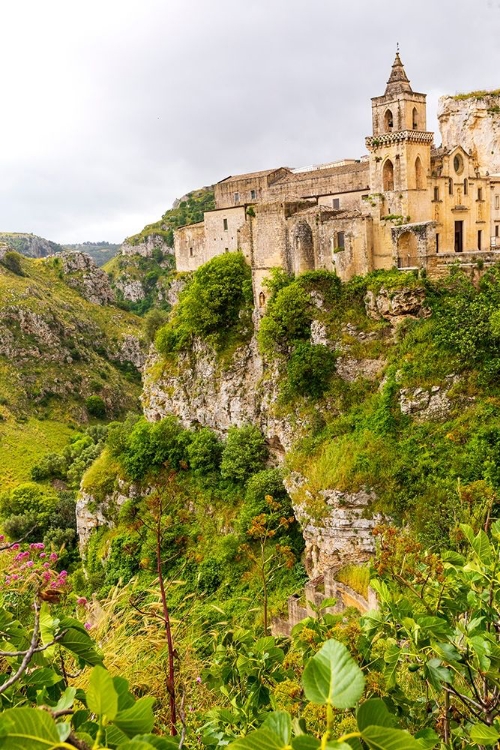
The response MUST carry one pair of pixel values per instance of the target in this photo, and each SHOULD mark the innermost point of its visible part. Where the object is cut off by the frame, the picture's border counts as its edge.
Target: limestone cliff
(473, 121)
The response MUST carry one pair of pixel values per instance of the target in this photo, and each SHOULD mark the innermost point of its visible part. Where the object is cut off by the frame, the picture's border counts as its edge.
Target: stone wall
(474, 123)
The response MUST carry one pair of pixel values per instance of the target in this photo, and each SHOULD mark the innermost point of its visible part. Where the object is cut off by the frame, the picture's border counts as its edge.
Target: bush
(260, 485)
(204, 451)
(210, 305)
(149, 446)
(12, 261)
(244, 453)
(309, 369)
(153, 321)
(288, 320)
(96, 407)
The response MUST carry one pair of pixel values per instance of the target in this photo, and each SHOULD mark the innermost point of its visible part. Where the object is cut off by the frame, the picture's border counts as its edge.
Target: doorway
(459, 236)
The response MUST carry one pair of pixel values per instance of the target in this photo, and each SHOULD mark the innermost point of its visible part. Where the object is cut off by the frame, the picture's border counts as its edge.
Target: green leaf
(262, 739)
(138, 719)
(102, 698)
(280, 723)
(427, 738)
(44, 677)
(374, 713)
(484, 735)
(80, 643)
(337, 746)
(437, 674)
(63, 730)
(332, 676)
(482, 547)
(383, 738)
(66, 700)
(135, 745)
(23, 728)
(125, 699)
(305, 742)
(159, 743)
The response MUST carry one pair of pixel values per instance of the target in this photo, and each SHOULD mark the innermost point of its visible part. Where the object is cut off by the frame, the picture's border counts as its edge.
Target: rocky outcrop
(342, 535)
(91, 514)
(131, 290)
(395, 305)
(147, 246)
(30, 245)
(82, 274)
(431, 403)
(473, 121)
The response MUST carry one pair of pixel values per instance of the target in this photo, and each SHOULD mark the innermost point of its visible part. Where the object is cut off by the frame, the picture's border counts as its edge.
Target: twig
(36, 650)
(28, 655)
(9, 546)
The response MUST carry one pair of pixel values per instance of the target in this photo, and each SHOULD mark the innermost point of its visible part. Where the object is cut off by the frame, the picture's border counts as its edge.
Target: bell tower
(400, 148)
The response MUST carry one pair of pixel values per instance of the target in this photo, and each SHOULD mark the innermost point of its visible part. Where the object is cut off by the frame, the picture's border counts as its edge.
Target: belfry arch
(388, 175)
(388, 121)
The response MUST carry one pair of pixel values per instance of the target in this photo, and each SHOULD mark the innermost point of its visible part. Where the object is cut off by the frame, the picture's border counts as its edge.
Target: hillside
(30, 245)
(100, 252)
(140, 282)
(57, 350)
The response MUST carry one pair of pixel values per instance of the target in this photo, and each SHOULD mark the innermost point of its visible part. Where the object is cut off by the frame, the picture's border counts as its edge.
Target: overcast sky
(113, 108)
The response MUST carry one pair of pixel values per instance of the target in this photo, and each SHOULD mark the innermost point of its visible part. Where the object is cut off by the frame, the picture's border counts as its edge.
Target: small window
(497, 201)
(191, 252)
(479, 238)
(225, 224)
(437, 243)
(436, 193)
(496, 230)
(336, 202)
(466, 186)
(236, 197)
(262, 299)
(253, 195)
(458, 163)
(341, 239)
(450, 186)
(480, 194)
(415, 119)
(226, 249)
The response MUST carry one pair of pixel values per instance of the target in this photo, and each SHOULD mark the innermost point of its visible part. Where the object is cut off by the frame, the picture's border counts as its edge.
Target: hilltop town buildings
(406, 204)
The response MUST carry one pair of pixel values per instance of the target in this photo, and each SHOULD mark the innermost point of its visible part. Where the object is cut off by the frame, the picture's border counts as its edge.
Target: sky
(112, 109)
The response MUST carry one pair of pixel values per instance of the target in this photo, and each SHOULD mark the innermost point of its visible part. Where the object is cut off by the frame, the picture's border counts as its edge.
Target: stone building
(406, 204)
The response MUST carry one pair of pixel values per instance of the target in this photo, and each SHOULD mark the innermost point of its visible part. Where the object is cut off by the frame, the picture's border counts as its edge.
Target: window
(225, 224)
(388, 120)
(236, 197)
(336, 202)
(465, 186)
(191, 252)
(419, 176)
(415, 119)
(479, 238)
(226, 249)
(450, 186)
(436, 193)
(253, 195)
(262, 299)
(496, 230)
(388, 175)
(437, 243)
(341, 239)
(497, 201)
(458, 163)
(480, 194)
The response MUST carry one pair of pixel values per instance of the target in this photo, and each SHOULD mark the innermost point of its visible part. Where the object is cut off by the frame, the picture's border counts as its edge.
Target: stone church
(406, 204)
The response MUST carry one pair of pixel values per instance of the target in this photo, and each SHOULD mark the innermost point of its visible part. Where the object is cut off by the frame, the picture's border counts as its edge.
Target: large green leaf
(79, 643)
(305, 742)
(374, 713)
(484, 735)
(159, 743)
(102, 698)
(280, 723)
(27, 729)
(262, 739)
(332, 676)
(384, 738)
(138, 719)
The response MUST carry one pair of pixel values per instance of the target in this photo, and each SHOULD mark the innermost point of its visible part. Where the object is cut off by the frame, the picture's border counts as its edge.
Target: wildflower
(198, 680)
(88, 626)
(53, 556)
(81, 601)
(15, 546)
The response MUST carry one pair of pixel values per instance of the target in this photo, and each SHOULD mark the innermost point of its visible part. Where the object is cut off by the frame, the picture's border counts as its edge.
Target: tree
(244, 453)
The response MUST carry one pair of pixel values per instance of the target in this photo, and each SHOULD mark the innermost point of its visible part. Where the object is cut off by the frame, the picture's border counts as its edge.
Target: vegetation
(189, 210)
(148, 277)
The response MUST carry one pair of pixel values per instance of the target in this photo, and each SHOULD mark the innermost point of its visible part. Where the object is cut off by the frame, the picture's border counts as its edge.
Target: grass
(480, 94)
(355, 576)
(22, 445)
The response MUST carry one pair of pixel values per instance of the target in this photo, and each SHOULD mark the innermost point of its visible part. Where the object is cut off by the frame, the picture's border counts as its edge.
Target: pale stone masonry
(406, 204)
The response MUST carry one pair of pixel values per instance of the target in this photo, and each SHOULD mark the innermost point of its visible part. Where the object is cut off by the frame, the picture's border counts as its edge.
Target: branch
(9, 546)
(28, 655)
(36, 650)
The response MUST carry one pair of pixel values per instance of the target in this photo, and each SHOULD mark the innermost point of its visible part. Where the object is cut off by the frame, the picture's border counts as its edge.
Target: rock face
(396, 304)
(474, 122)
(91, 515)
(145, 248)
(30, 245)
(83, 275)
(343, 535)
(427, 403)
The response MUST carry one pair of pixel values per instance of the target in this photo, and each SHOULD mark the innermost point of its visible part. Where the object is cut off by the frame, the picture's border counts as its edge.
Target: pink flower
(15, 546)
(81, 601)
(88, 626)
(53, 556)
(29, 564)
(198, 680)
(2, 538)
(46, 565)
(42, 555)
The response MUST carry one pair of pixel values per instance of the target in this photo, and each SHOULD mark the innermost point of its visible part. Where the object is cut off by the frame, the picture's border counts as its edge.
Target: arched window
(388, 121)
(466, 186)
(415, 119)
(450, 186)
(388, 175)
(262, 299)
(419, 174)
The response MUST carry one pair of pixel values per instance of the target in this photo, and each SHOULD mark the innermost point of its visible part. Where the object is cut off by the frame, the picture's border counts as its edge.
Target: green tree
(244, 453)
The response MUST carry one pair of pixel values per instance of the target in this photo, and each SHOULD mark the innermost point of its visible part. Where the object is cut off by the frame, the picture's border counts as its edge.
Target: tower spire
(398, 80)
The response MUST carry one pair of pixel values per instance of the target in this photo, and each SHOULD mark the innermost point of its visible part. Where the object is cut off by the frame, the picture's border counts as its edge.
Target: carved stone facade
(406, 204)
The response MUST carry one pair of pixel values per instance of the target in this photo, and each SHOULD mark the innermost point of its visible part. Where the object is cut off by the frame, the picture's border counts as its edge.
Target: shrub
(153, 321)
(204, 451)
(12, 261)
(264, 483)
(149, 446)
(288, 320)
(244, 453)
(96, 407)
(310, 368)
(210, 306)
